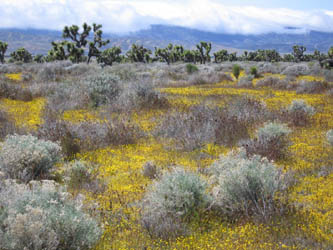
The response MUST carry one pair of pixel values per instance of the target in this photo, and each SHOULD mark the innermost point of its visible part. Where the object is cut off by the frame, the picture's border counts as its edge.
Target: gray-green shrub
(191, 68)
(299, 112)
(171, 201)
(329, 136)
(103, 89)
(245, 185)
(271, 141)
(26, 158)
(41, 216)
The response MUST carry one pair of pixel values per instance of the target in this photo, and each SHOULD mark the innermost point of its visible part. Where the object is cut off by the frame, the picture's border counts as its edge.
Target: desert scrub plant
(42, 216)
(254, 72)
(103, 89)
(82, 175)
(202, 125)
(274, 82)
(299, 112)
(271, 141)
(7, 125)
(245, 82)
(26, 158)
(245, 185)
(171, 201)
(311, 87)
(236, 69)
(329, 137)
(191, 68)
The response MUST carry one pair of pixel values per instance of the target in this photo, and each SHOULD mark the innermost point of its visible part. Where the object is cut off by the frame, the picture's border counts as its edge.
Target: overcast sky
(122, 16)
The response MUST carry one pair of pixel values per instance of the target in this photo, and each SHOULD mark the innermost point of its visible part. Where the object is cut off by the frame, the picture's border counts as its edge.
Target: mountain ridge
(39, 40)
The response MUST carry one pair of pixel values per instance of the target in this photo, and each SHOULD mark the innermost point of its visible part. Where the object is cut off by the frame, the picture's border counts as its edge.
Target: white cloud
(123, 16)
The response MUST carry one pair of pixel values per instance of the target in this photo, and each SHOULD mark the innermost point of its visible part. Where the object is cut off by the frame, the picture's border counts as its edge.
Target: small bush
(273, 82)
(7, 126)
(313, 87)
(254, 72)
(245, 82)
(82, 175)
(191, 68)
(149, 170)
(329, 137)
(245, 185)
(27, 158)
(296, 70)
(271, 141)
(14, 92)
(177, 196)
(202, 125)
(247, 110)
(42, 217)
(299, 112)
(236, 69)
(103, 89)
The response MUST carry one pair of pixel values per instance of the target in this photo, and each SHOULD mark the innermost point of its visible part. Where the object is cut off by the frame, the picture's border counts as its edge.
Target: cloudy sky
(122, 16)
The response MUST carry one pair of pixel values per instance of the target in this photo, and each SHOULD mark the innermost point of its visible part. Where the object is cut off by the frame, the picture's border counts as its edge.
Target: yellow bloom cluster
(25, 114)
(14, 77)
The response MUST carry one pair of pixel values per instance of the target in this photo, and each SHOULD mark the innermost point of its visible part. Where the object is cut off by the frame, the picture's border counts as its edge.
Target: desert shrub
(68, 96)
(296, 70)
(191, 68)
(313, 87)
(171, 201)
(56, 130)
(248, 110)
(202, 125)
(52, 71)
(7, 125)
(328, 74)
(198, 79)
(236, 69)
(245, 82)
(299, 112)
(149, 170)
(26, 158)
(145, 96)
(329, 136)
(267, 67)
(14, 92)
(103, 89)
(83, 175)
(93, 135)
(254, 72)
(271, 141)
(273, 82)
(245, 185)
(41, 216)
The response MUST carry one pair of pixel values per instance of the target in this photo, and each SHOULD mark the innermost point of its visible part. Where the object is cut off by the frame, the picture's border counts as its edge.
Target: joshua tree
(204, 49)
(57, 52)
(97, 43)
(298, 53)
(3, 49)
(139, 54)
(330, 53)
(109, 56)
(39, 58)
(21, 55)
(75, 54)
(221, 56)
(164, 54)
(72, 32)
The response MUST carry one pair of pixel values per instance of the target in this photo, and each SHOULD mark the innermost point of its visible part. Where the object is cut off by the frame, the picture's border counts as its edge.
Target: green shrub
(40, 216)
(254, 72)
(271, 141)
(103, 89)
(299, 112)
(26, 158)
(172, 200)
(329, 136)
(245, 185)
(236, 69)
(191, 68)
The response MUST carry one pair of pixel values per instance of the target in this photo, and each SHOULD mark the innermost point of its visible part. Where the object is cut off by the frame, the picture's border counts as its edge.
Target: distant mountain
(39, 41)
